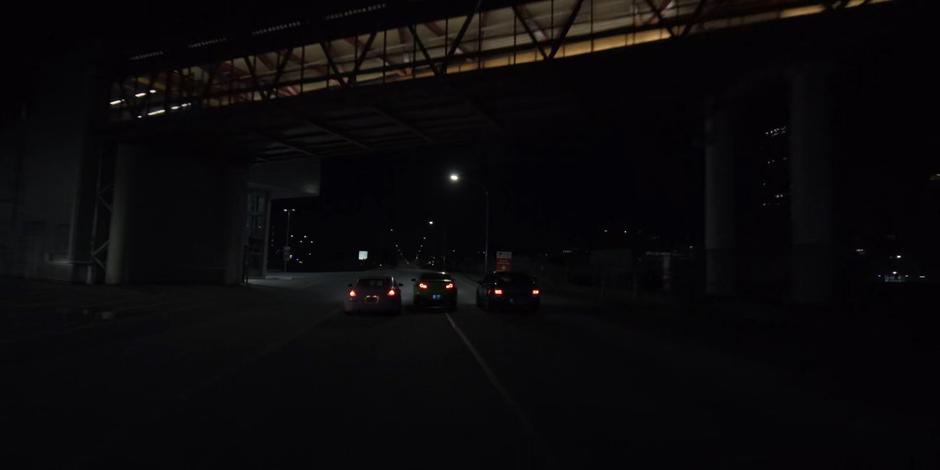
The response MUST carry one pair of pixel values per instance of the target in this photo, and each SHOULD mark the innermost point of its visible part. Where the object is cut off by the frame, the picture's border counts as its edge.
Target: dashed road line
(511, 402)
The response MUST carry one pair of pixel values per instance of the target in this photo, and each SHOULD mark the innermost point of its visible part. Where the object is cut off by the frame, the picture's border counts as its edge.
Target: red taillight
(352, 293)
(422, 286)
(450, 285)
(536, 292)
(497, 291)
(391, 292)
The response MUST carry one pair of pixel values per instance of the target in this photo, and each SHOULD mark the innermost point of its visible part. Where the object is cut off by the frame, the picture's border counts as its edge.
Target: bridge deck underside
(635, 84)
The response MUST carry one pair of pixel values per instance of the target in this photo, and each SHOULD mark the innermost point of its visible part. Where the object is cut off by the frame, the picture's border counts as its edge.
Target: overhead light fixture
(154, 113)
(140, 95)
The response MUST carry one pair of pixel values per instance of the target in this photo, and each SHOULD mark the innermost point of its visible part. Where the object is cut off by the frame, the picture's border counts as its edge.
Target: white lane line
(511, 402)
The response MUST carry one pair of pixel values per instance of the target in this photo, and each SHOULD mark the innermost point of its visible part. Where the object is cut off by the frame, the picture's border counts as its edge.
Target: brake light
(352, 293)
(391, 292)
(450, 285)
(498, 291)
(422, 286)
(536, 292)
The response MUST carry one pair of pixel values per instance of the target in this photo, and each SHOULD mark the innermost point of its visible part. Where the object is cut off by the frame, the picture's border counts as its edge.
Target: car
(374, 295)
(499, 290)
(435, 289)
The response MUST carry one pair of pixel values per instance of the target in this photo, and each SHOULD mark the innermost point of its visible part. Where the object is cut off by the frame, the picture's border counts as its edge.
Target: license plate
(435, 296)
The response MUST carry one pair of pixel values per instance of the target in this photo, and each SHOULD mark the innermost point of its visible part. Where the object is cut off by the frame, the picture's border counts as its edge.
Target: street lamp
(455, 178)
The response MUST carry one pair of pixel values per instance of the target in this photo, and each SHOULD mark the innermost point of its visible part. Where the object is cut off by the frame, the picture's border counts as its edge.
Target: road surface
(275, 375)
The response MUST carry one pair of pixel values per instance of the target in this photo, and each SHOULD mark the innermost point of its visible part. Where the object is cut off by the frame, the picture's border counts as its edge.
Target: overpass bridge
(165, 143)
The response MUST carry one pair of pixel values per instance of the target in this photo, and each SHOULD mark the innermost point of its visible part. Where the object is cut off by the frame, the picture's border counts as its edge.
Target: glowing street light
(454, 177)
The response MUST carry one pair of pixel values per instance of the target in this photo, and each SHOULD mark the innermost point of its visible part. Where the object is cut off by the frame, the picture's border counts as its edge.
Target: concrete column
(124, 172)
(719, 202)
(811, 186)
(236, 221)
(267, 234)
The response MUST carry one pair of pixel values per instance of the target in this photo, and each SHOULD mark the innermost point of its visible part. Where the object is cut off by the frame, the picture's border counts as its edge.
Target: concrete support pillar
(178, 216)
(267, 234)
(811, 186)
(124, 171)
(236, 222)
(720, 263)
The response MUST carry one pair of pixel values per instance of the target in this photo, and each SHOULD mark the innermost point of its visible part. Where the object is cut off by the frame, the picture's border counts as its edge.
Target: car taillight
(422, 286)
(450, 285)
(391, 292)
(497, 291)
(352, 293)
(536, 292)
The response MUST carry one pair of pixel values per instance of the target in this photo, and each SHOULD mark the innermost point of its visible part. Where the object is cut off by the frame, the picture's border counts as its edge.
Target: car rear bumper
(427, 300)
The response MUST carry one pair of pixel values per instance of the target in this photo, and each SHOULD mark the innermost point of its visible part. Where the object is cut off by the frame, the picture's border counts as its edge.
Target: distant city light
(899, 256)
(430, 222)
(895, 273)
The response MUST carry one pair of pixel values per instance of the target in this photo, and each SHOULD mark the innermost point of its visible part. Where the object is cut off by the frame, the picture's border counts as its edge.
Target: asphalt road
(275, 375)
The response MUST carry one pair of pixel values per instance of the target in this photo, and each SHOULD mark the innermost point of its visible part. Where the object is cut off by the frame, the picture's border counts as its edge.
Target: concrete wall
(179, 216)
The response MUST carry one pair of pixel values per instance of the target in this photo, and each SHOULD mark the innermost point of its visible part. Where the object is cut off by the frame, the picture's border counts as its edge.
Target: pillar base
(719, 272)
(812, 273)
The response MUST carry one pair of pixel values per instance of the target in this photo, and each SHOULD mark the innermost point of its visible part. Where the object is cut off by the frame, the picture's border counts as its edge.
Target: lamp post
(455, 178)
(287, 239)
(443, 243)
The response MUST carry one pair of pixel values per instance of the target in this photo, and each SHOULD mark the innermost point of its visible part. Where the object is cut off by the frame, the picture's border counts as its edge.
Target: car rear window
(434, 276)
(514, 278)
(373, 282)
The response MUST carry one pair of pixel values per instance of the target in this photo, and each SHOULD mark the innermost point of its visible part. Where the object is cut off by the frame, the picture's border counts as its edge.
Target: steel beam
(567, 27)
(528, 30)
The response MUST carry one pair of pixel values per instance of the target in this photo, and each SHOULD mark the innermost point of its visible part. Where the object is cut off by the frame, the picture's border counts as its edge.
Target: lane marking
(511, 402)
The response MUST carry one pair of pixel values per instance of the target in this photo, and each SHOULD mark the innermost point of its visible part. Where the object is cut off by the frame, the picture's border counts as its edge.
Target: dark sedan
(508, 289)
